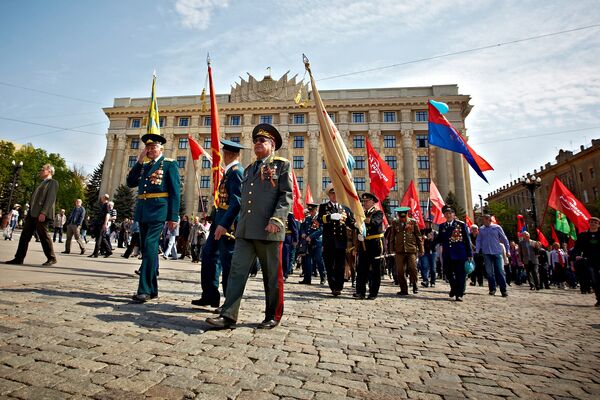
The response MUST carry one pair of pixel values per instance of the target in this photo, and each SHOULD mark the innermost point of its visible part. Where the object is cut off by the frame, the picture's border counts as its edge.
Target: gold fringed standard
(204, 106)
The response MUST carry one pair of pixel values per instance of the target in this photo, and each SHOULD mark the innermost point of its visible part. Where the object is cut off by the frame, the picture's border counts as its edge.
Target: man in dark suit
(265, 204)
(370, 248)
(456, 250)
(39, 216)
(335, 218)
(158, 200)
(218, 250)
(312, 233)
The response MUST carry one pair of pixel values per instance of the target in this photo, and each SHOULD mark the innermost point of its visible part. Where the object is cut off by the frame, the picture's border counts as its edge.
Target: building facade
(577, 171)
(393, 119)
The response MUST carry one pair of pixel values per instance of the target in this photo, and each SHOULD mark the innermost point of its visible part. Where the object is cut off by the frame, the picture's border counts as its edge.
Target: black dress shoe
(93, 255)
(140, 298)
(304, 282)
(401, 293)
(49, 262)
(65, 252)
(458, 298)
(107, 255)
(204, 302)
(221, 322)
(451, 294)
(268, 324)
(82, 252)
(358, 296)
(14, 261)
(371, 297)
(415, 288)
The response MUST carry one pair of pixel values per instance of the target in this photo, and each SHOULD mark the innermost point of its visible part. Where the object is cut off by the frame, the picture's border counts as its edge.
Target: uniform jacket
(312, 228)
(334, 232)
(406, 237)
(455, 241)
(230, 194)
(292, 229)
(375, 224)
(43, 199)
(160, 177)
(266, 198)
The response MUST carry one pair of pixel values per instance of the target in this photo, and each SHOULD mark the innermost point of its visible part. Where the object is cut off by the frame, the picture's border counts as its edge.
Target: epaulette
(277, 158)
(234, 168)
(169, 159)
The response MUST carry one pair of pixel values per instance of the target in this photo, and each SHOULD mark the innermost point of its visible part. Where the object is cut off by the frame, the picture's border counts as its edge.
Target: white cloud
(196, 14)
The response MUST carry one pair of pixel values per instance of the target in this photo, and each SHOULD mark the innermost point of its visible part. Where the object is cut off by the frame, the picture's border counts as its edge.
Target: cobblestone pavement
(83, 339)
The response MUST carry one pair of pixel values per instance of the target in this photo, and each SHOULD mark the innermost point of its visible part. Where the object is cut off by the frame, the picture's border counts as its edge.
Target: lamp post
(16, 168)
(481, 204)
(532, 183)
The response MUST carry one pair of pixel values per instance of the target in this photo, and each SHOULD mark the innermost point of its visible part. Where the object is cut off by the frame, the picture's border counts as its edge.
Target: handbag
(469, 267)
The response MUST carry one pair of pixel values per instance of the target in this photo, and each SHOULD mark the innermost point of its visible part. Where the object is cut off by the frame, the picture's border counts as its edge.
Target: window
(207, 143)
(592, 173)
(359, 162)
(586, 199)
(423, 185)
(300, 180)
(266, 119)
(204, 181)
(298, 142)
(596, 193)
(359, 183)
(391, 161)
(422, 162)
(184, 121)
(235, 120)
(207, 121)
(135, 144)
(389, 141)
(136, 122)
(421, 116)
(581, 176)
(205, 162)
(324, 164)
(332, 116)
(422, 141)
(181, 161)
(389, 116)
(394, 204)
(358, 142)
(424, 207)
(395, 188)
(183, 143)
(325, 181)
(358, 118)
(162, 121)
(132, 161)
(298, 162)
(235, 139)
(299, 119)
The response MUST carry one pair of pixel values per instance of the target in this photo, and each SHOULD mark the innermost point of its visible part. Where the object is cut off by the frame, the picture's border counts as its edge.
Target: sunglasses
(260, 140)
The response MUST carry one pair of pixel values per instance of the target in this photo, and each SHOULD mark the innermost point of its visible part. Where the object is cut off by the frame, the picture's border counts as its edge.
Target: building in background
(577, 171)
(394, 120)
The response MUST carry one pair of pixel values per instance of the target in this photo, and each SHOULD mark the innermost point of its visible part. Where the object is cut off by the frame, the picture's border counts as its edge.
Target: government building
(393, 119)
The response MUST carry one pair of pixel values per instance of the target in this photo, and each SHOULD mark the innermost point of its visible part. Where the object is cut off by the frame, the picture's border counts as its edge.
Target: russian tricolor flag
(443, 134)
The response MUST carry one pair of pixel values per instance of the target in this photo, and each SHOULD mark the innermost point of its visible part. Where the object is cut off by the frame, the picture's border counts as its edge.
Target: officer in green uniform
(158, 201)
(266, 202)
(406, 241)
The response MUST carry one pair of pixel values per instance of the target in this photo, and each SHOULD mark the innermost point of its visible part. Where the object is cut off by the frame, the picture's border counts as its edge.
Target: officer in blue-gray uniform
(312, 232)
(158, 201)
(265, 205)
(289, 245)
(218, 249)
(456, 250)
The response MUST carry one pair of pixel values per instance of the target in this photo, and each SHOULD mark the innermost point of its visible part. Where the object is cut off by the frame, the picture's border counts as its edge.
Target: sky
(62, 61)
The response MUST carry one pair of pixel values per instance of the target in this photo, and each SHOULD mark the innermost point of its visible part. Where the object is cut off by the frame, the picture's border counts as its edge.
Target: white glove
(361, 238)
(336, 216)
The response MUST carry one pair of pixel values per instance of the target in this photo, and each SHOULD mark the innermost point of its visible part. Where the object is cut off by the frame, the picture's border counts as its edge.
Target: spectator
(489, 243)
(59, 222)
(528, 251)
(184, 233)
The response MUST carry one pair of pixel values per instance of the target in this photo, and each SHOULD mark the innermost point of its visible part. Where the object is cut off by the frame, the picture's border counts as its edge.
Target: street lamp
(532, 183)
(16, 168)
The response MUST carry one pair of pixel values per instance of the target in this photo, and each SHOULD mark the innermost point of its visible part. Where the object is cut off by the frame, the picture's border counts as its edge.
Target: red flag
(541, 238)
(438, 203)
(561, 199)
(411, 200)
(521, 227)
(468, 221)
(194, 148)
(217, 170)
(308, 199)
(381, 175)
(554, 235)
(297, 207)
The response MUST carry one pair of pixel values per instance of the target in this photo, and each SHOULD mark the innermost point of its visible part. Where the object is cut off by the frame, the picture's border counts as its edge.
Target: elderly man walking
(489, 242)
(73, 227)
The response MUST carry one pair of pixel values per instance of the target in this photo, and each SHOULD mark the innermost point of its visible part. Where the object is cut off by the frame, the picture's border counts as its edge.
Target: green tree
(92, 191)
(506, 217)
(124, 200)
(451, 201)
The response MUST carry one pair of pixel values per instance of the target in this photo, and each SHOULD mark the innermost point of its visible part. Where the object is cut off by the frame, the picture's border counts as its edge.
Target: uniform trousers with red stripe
(244, 253)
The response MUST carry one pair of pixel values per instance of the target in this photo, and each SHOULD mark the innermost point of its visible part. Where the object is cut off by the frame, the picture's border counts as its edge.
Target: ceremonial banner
(438, 203)
(338, 159)
(411, 200)
(541, 238)
(381, 175)
(468, 221)
(297, 207)
(562, 223)
(153, 120)
(217, 170)
(308, 199)
(561, 199)
(195, 148)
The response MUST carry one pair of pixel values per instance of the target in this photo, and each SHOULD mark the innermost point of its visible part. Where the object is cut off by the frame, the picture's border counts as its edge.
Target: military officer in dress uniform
(158, 201)
(265, 205)
(334, 218)
(369, 248)
(456, 250)
(289, 245)
(218, 249)
(312, 232)
(406, 242)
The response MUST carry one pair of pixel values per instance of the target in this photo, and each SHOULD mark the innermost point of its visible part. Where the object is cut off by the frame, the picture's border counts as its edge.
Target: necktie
(257, 166)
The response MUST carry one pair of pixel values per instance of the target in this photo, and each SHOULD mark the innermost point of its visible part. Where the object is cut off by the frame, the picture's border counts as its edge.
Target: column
(441, 170)
(408, 157)
(284, 150)
(459, 181)
(246, 139)
(120, 145)
(108, 164)
(313, 163)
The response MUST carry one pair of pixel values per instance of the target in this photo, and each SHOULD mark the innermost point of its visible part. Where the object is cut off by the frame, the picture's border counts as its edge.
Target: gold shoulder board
(277, 158)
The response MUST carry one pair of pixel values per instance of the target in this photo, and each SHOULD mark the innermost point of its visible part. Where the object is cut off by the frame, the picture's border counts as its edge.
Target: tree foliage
(124, 200)
(451, 201)
(92, 191)
(506, 217)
